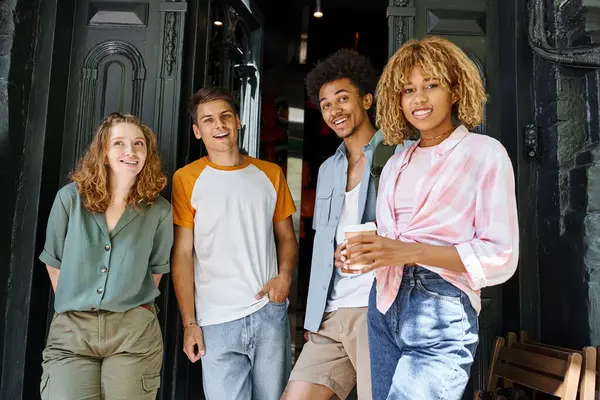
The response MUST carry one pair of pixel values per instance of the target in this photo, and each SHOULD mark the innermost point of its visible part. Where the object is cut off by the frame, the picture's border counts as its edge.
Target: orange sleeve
(285, 204)
(181, 199)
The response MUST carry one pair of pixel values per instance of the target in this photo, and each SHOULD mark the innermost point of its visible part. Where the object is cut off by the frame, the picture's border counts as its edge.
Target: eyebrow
(335, 94)
(210, 115)
(121, 138)
(425, 80)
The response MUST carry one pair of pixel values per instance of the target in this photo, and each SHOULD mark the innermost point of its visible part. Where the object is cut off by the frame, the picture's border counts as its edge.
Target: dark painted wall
(566, 111)
(18, 21)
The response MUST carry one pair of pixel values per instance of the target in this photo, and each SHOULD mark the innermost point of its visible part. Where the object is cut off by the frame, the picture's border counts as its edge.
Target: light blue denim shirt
(331, 189)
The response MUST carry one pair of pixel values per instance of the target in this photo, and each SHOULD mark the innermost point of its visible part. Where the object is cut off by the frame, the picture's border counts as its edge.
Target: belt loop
(410, 272)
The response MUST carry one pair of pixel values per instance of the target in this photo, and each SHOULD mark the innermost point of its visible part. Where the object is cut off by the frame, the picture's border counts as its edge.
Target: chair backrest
(589, 367)
(554, 372)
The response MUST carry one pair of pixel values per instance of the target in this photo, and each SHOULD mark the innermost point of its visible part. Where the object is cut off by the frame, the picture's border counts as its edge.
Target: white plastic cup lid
(369, 226)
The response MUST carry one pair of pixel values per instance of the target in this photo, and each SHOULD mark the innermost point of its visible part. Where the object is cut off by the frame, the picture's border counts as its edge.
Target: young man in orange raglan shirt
(230, 276)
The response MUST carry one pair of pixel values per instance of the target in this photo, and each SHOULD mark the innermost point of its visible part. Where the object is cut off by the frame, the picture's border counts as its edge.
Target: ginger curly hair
(437, 58)
(91, 173)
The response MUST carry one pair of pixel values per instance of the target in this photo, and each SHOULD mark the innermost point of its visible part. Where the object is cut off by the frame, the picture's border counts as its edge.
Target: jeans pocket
(276, 312)
(151, 308)
(151, 382)
(439, 289)
(282, 304)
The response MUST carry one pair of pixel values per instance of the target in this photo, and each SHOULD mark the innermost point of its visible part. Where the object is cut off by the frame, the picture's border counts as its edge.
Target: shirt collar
(371, 146)
(449, 143)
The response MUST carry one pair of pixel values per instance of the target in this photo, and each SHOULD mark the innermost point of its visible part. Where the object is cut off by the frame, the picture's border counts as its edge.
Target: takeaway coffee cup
(363, 229)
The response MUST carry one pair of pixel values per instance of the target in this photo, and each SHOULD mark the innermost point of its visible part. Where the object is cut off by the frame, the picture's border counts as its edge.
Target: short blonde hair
(437, 58)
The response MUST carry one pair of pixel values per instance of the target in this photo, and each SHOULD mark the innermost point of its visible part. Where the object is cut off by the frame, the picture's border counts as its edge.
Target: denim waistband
(412, 272)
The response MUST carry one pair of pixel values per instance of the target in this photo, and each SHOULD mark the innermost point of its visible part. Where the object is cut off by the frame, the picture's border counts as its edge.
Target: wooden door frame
(516, 64)
(26, 311)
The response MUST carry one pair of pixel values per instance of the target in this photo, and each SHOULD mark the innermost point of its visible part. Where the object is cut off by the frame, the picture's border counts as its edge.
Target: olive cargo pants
(103, 355)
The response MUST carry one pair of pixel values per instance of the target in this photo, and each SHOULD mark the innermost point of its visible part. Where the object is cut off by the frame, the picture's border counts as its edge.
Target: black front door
(126, 56)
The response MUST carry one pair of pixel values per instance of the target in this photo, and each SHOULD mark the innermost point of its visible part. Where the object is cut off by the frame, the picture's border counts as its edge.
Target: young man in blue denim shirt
(336, 356)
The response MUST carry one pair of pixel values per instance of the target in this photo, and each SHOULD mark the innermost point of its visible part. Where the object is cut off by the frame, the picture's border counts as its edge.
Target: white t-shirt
(349, 290)
(232, 211)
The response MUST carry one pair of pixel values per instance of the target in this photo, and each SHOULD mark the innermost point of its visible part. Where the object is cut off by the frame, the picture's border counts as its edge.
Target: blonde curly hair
(91, 173)
(437, 58)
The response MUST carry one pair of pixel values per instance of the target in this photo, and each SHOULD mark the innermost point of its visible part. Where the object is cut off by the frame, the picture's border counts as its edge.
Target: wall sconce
(318, 11)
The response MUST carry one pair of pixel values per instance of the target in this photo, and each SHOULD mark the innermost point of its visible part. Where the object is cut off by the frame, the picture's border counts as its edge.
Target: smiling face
(343, 108)
(217, 125)
(427, 104)
(127, 150)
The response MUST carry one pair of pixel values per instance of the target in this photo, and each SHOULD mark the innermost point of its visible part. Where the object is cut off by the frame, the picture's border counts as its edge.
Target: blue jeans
(423, 346)
(249, 358)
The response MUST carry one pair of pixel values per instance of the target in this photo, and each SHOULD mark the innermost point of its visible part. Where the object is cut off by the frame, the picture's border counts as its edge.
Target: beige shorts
(337, 356)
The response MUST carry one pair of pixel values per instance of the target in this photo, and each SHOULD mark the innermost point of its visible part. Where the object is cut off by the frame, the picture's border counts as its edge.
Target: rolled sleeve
(161, 269)
(475, 272)
(161, 250)
(491, 257)
(56, 232)
(48, 259)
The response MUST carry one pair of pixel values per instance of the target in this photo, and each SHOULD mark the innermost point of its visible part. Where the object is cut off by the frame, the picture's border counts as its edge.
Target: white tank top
(349, 290)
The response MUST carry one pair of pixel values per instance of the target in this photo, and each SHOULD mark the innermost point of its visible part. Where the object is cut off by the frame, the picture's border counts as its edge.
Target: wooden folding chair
(556, 372)
(495, 353)
(590, 368)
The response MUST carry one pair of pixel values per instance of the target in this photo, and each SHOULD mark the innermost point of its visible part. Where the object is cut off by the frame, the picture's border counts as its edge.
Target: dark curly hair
(343, 63)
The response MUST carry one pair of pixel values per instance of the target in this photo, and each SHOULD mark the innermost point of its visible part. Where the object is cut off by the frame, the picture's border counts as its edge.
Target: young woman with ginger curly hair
(447, 225)
(108, 243)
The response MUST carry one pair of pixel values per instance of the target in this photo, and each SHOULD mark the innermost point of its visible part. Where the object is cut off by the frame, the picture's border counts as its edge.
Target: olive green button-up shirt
(101, 270)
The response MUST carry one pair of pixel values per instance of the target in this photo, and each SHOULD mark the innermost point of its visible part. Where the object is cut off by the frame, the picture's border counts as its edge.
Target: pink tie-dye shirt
(467, 200)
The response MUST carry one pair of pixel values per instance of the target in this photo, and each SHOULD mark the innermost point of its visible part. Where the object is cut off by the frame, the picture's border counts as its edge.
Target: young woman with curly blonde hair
(108, 242)
(447, 224)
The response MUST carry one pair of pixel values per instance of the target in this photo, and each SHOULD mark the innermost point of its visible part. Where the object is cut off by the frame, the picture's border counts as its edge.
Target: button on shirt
(101, 270)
